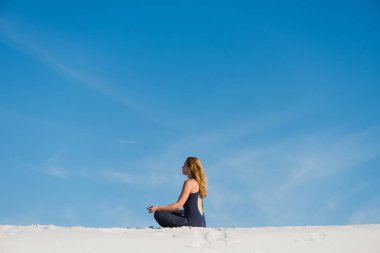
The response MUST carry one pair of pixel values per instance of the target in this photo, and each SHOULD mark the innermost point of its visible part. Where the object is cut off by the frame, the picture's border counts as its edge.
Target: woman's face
(185, 169)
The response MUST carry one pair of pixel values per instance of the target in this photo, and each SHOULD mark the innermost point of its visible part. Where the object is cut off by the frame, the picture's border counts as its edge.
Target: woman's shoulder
(193, 184)
(191, 181)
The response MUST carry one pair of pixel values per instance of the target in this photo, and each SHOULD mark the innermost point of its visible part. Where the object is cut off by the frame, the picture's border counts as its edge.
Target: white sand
(52, 239)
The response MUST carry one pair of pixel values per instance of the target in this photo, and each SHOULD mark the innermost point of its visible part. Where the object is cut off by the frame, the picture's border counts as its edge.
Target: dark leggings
(171, 219)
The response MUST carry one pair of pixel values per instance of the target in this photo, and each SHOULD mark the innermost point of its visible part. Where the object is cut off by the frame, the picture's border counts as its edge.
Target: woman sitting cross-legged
(191, 199)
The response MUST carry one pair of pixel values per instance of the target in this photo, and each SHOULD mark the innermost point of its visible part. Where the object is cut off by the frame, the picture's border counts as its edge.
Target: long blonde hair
(198, 174)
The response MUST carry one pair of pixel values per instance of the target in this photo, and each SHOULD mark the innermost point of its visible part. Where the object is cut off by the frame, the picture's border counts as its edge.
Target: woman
(191, 199)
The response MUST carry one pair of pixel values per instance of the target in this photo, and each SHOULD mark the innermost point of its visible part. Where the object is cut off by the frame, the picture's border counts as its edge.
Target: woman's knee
(158, 215)
(162, 218)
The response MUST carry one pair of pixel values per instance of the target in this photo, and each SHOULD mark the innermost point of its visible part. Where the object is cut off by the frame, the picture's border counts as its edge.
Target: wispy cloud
(57, 171)
(26, 39)
(52, 168)
(306, 160)
(368, 214)
(269, 178)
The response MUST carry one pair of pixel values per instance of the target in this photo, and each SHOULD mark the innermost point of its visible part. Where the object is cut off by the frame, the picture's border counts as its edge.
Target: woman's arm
(186, 189)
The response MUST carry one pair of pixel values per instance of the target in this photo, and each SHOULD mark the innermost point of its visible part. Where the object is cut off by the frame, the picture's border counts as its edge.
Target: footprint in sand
(210, 239)
(312, 237)
(317, 236)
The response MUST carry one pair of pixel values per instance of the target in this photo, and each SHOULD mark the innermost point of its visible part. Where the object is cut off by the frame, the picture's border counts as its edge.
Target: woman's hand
(152, 209)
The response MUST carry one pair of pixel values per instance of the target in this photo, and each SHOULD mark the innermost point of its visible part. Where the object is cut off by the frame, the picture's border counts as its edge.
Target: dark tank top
(196, 219)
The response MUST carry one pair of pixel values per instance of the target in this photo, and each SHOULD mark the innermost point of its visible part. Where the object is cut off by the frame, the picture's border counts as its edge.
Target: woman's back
(193, 211)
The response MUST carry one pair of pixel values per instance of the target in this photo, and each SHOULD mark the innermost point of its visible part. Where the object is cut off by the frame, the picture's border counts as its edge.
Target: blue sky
(101, 103)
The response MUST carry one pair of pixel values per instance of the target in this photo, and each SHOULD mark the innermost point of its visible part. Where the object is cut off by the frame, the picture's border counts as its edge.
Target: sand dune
(53, 239)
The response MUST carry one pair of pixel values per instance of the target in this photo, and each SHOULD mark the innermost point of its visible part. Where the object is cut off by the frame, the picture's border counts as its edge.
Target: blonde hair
(198, 174)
